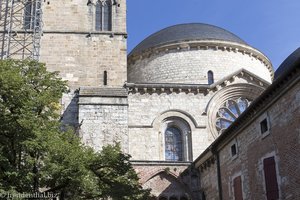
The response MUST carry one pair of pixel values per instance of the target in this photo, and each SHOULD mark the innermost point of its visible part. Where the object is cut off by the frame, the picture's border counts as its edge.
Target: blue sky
(272, 26)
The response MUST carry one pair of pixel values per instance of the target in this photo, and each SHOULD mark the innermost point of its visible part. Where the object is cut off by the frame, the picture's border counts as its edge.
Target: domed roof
(290, 62)
(186, 32)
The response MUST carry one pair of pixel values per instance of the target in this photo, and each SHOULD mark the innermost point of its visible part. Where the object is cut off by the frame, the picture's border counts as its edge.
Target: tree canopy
(36, 156)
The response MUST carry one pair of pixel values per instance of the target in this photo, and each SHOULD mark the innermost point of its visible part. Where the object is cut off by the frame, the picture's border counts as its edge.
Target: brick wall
(280, 141)
(164, 179)
(209, 181)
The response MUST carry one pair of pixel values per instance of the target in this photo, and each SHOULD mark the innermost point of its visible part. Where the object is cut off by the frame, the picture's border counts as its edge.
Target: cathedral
(174, 103)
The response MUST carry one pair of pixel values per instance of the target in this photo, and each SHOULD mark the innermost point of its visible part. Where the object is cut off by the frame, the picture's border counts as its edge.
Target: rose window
(230, 111)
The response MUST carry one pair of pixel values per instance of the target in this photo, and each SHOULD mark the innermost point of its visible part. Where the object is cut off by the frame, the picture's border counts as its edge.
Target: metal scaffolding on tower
(20, 29)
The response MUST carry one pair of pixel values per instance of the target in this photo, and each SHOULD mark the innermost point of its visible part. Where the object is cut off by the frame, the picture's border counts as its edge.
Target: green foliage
(36, 156)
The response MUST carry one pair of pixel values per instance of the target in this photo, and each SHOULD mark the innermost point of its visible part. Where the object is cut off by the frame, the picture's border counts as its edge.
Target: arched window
(210, 77)
(105, 78)
(103, 15)
(31, 14)
(176, 139)
(173, 144)
(230, 111)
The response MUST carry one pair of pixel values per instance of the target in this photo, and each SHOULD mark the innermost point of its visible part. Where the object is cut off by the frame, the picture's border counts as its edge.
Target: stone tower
(85, 40)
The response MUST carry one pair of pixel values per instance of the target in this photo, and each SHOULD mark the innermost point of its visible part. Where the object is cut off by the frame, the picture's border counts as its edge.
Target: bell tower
(85, 40)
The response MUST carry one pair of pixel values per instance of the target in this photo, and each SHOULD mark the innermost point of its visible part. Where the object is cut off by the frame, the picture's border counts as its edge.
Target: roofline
(284, 82)
(163, 87)
(183, 24)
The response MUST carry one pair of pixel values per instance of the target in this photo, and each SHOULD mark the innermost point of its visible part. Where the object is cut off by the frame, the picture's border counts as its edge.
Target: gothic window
(230, 111)
(210, 77)
(29, 14)
(103, 15)
(173, 144)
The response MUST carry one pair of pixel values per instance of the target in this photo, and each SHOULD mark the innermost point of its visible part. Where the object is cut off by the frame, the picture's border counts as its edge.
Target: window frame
(233, 150)
(210, 77)
(180, 143)
(225, 113)
(105, 78)
(264, 126)
(262, 118)
(275, 175)
(234, 189)
(30, 16)
(101, 20)
(185, 129)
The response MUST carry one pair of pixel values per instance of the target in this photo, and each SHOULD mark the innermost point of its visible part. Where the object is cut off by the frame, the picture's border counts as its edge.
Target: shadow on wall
(166, 186)
(69, 117)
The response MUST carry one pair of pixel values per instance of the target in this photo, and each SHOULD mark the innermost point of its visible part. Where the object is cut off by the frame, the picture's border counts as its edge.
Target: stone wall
(164, 178)
(71, 45)
(146, 115)
(281, 141)
(82, 61)
(149, 108)
(192, 65)
(76, 15)
(103, 115)
(279, 108)
(209, 181)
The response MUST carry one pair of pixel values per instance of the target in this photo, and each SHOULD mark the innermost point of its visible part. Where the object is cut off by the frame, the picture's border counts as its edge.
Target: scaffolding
(20, 29)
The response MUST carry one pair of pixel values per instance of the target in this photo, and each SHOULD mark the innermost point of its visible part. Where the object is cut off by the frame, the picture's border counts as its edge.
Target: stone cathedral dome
(186, 32)
(185, 53)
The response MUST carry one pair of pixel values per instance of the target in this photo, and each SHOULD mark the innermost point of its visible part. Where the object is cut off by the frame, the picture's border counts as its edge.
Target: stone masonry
(279, 105)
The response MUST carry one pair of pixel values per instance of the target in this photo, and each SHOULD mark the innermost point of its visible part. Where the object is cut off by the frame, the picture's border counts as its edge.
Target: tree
(36, 156)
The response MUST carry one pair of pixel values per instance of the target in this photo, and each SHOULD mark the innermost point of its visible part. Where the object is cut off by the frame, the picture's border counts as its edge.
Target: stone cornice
(165, 88)
(87, 33)
(207, 164)
(119, 92)
(90, 33)
(205, 45)
(194, 88)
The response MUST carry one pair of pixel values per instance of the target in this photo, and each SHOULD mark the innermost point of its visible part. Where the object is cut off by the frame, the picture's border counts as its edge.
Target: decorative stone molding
(175, 113)
(207, 164)
(165, 88)
(151, 88)
(205, 45)
(233, 91)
